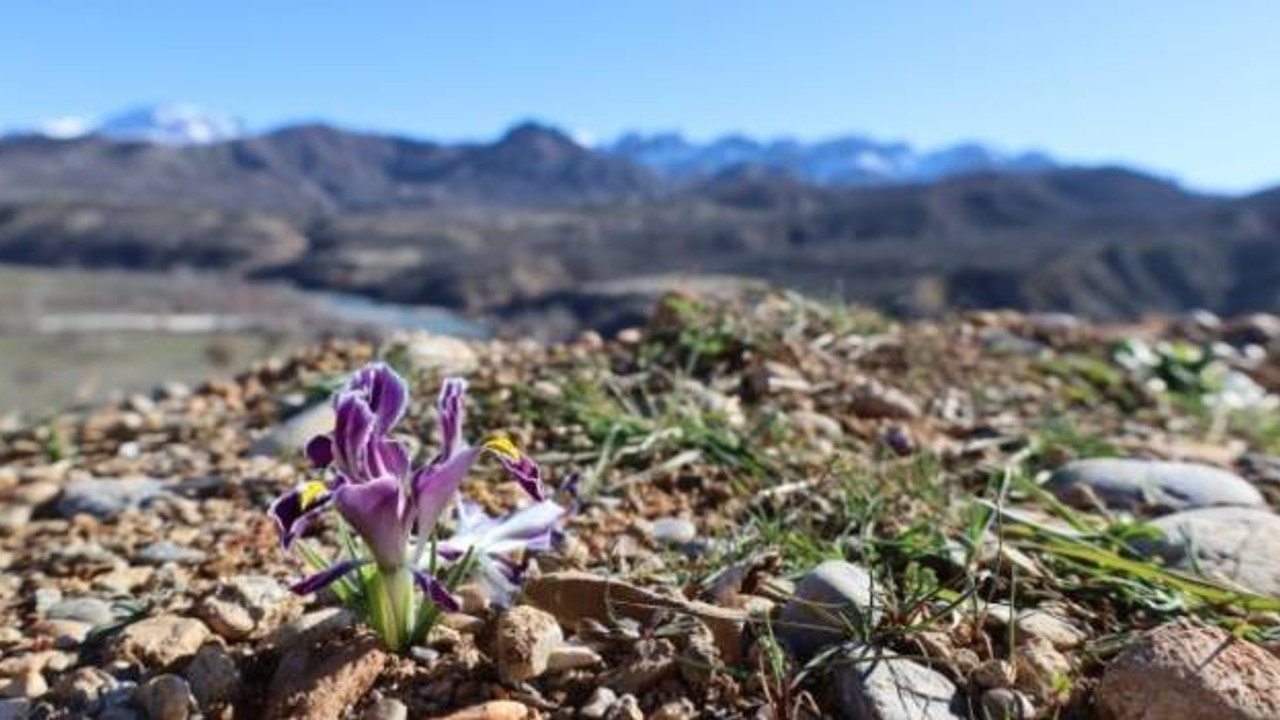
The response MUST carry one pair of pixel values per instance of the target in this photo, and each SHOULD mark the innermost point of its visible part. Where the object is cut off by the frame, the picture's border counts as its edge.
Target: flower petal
(319, 451)
(372, 509)
(436, 590)
(388, 458)
(451, 413)
(384, 391)
(352, 434)
(433, 486)
(519, 467)
(325, 577)
(295, 510)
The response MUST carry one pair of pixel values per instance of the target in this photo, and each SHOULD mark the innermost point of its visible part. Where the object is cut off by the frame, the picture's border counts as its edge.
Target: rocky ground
(788, 510)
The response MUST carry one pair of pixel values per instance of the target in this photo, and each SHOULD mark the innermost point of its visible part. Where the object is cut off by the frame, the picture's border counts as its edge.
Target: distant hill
(851, 160)
(522, 226)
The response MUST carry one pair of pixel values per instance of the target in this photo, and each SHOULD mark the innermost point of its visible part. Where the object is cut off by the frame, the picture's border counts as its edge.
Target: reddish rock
(323, 679)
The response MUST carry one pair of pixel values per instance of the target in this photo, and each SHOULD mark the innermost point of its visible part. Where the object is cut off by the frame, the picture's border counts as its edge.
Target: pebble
(227, 619)
(1185, 670)
(45, 598)
(1150, 485)
(1005, 704)
(1240, 545)
(165, 551)
(160, 641)
(811, 619)
(83, 689)
(430, 353)
(91, 610)
(14, 708)
(526, 636)
(597, 706)
(680, 709)
(1041, 670)
(65, 633)
(165, 697)
(292, 436)
(321, 680)
(877, 684)
(876, 401)
(214, 677)
(387, 709)
(673, 531)
(30, 684)
(492, 710)
(572, 657)
(626, 707)
(106, 498)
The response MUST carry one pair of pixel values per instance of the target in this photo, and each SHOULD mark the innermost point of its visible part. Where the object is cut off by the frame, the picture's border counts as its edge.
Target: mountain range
(546, 234)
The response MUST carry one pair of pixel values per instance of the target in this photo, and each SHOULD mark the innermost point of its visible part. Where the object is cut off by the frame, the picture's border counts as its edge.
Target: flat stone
(877, 685)
(672, 530)
(572, 657)
(324, 679)
(106, 498)
(1236, 544)
(875, 401)
(160, 641)
(1151, 486)
(1005, 704)
(387, 709)
(293, 434)
(431, 353)
(831, 604)
(227, 619)
(165, 551)
(94, 611)
(598, 704)
(1183, 670)
(525, 638)
(492, 710)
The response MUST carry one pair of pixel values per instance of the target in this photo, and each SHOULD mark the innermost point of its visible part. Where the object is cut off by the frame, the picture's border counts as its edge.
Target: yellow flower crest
(500, 444)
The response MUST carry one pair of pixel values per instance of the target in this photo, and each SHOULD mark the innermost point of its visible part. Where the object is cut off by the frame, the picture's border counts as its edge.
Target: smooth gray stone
(875, 684)
(1238, 544)
(94, 611)
(106, 498)
(164, 551)
(1129, 484)
(832, 604)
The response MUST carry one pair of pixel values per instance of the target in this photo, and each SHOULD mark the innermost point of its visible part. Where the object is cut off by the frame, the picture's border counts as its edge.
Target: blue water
(393, 316)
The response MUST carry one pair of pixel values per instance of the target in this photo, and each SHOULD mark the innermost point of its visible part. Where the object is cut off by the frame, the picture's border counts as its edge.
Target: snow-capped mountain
(847, 160)
(164, 124)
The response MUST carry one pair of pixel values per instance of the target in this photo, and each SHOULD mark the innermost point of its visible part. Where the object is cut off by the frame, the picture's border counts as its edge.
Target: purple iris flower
(391, 506)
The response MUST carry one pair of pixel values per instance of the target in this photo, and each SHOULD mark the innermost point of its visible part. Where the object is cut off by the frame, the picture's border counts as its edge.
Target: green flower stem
(391, 610)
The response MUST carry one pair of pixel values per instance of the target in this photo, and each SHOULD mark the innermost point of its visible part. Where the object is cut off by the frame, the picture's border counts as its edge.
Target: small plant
(391, 568)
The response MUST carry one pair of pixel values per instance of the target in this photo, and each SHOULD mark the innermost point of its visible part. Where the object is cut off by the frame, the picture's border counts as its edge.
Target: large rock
(106, 498)
(160, 641)
(1150, 485)
(1181, 670)
(875, 685)
(832, 604)
(526, 636)
(1240, 545)
(324, 679)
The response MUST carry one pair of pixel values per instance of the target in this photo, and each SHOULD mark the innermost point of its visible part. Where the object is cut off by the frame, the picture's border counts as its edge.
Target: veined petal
(531, 528)
(519, 467)
(326, 577)
(372, 509)
(433, 486)
(295, 510)
(353, 432)
(319, 451)
(388, 458)
(384, 391)
(436, 590)
(450, 415)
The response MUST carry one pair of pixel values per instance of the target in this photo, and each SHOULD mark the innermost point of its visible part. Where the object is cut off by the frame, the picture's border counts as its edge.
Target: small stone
(1239, 545)
(876, 401)
(387, 709)
(65, 633)
(572, 657)
(293, 435)
(160, 641)
(91, 610)
(123, 580)
(106, 498)
(165, 697)
(526, 637)
(227, 619)
(680, 709)
(994, 673)
(831, 594)
(492, 710)
(597, 706)
(1049, 627)
(83, 690)
(165, 551)
(324, 679)
(1005, 704)
(1150, 485)
(430, 353)
(627, 707)
(875, 684)
(37, 493)
(46, 598)
(1183, 670)
(1041, 669)
(14, 516)
(30, 684)
(214, 677)
(673, 531)
(475, 601)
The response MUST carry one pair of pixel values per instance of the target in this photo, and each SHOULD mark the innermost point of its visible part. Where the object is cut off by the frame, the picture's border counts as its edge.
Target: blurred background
(186, 187)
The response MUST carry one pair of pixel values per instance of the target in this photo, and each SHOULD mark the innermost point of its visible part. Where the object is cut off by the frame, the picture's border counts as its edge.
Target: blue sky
(1190, 89)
